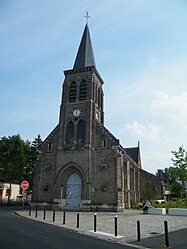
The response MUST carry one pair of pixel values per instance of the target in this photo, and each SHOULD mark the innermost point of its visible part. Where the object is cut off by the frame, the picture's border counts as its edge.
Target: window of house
(69, 133)
(81, 132)
(83, 90)
(72, 92)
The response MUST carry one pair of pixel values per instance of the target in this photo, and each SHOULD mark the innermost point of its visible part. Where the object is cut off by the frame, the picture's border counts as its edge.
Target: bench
(177, 211)
(160, 211)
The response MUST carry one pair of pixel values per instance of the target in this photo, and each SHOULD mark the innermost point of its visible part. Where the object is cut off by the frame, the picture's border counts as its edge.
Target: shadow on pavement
(177, 240)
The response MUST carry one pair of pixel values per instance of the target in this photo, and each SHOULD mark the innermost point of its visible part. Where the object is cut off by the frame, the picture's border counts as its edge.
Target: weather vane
(87, 16)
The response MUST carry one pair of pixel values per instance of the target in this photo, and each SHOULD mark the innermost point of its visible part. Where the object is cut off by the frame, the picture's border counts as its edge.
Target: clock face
(76, 112)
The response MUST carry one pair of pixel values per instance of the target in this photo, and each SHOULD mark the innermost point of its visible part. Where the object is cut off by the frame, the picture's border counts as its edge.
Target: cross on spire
(87, 16)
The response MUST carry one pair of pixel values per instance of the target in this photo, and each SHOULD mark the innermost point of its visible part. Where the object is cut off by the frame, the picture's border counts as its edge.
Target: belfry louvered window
(81, 132)
(69, 133)
(72, 92)
(83, 90)
(99, 97)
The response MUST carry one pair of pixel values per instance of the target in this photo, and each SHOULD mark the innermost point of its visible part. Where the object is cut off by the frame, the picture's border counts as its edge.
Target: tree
(163, 174)
(17, 159)
(167, 176)
(180, 163)
(12, 159)
(31, 154)
(37, 142)
(149, 191)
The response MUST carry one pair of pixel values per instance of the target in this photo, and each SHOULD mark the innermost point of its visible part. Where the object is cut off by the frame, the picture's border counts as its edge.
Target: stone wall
(151, 186)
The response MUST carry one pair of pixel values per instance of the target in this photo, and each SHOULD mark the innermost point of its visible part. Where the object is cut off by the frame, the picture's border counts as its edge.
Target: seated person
(146, 206)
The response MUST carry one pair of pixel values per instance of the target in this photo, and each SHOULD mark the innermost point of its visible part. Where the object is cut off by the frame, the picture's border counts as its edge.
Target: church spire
(85, 55)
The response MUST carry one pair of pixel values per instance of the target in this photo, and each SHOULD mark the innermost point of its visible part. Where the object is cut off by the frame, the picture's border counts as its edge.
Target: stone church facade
(81, 165)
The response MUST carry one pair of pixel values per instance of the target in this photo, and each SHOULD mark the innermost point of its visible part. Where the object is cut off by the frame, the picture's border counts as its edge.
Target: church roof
(85, 55)
(133, 153)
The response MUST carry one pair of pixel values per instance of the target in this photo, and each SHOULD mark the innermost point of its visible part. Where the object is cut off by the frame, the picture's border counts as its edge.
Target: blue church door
(73, 191)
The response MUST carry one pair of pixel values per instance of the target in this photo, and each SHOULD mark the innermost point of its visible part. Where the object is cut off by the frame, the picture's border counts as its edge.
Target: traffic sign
(25, 185)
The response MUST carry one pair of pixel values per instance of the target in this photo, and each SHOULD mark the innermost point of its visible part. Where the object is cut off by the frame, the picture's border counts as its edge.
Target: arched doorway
(73, 191)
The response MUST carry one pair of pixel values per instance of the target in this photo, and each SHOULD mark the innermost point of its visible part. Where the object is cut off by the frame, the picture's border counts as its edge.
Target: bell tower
(82, 98)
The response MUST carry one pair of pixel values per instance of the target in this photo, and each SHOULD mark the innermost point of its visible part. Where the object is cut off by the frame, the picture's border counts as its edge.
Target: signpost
(24, 186)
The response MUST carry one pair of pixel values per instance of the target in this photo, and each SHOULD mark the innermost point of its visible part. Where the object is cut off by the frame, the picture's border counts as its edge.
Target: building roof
(133, 153)
(85, 55)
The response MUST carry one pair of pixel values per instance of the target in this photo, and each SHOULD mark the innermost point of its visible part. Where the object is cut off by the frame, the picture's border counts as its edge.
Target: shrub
(171, 204)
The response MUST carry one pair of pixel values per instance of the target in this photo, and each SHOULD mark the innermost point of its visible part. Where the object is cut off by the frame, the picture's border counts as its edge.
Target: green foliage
(31, 155)
(148, 192)
(12, 158)
(17, 159)
(164, 175)
(171, 176)
(171, 204)
(136, 205)
(180, 163)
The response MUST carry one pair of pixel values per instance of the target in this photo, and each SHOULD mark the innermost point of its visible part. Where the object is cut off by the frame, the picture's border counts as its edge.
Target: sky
(140, 48)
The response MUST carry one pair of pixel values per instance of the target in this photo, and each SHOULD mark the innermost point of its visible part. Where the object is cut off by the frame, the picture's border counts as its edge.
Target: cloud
(155, 159)
(149, 131)
(171, 107)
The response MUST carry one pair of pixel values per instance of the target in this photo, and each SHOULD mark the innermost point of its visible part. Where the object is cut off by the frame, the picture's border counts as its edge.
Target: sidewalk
(151, 226)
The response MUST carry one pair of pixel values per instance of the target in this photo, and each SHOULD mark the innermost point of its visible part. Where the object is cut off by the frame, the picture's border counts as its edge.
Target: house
(6, 190)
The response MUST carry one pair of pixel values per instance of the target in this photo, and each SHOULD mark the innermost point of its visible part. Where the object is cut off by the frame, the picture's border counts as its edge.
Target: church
(81, 165)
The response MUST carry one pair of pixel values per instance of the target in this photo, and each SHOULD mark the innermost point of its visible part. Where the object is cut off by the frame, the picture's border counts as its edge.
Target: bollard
(138, 230)
(77, 220)
(166, 234)
(64, 218)
(29, 211)
(95, 222)
(116, 225)
(53, 215)
(36, 213)
(44, 214)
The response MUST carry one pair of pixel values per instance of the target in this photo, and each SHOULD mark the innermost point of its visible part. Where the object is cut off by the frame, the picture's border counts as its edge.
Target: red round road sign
(25, 184)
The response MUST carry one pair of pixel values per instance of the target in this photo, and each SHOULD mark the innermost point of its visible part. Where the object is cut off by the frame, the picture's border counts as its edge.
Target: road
(20, 233)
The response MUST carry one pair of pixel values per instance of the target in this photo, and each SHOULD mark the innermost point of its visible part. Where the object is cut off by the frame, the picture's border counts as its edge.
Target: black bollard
(166, 234)
(95, 222)
(77, 220)
(29, 211)
(36, 213)
(116, 225)
(44, 214)
(138, 230)
(53, 215)
(64, 218)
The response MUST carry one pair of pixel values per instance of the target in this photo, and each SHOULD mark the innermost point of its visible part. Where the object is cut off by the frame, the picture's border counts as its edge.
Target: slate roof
(85, 55)
(133, 153)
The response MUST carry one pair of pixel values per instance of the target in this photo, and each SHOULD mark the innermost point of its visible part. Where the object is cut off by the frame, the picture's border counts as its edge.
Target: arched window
(72, 92)
(81, 132)
(83, 90)
(69, 133)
